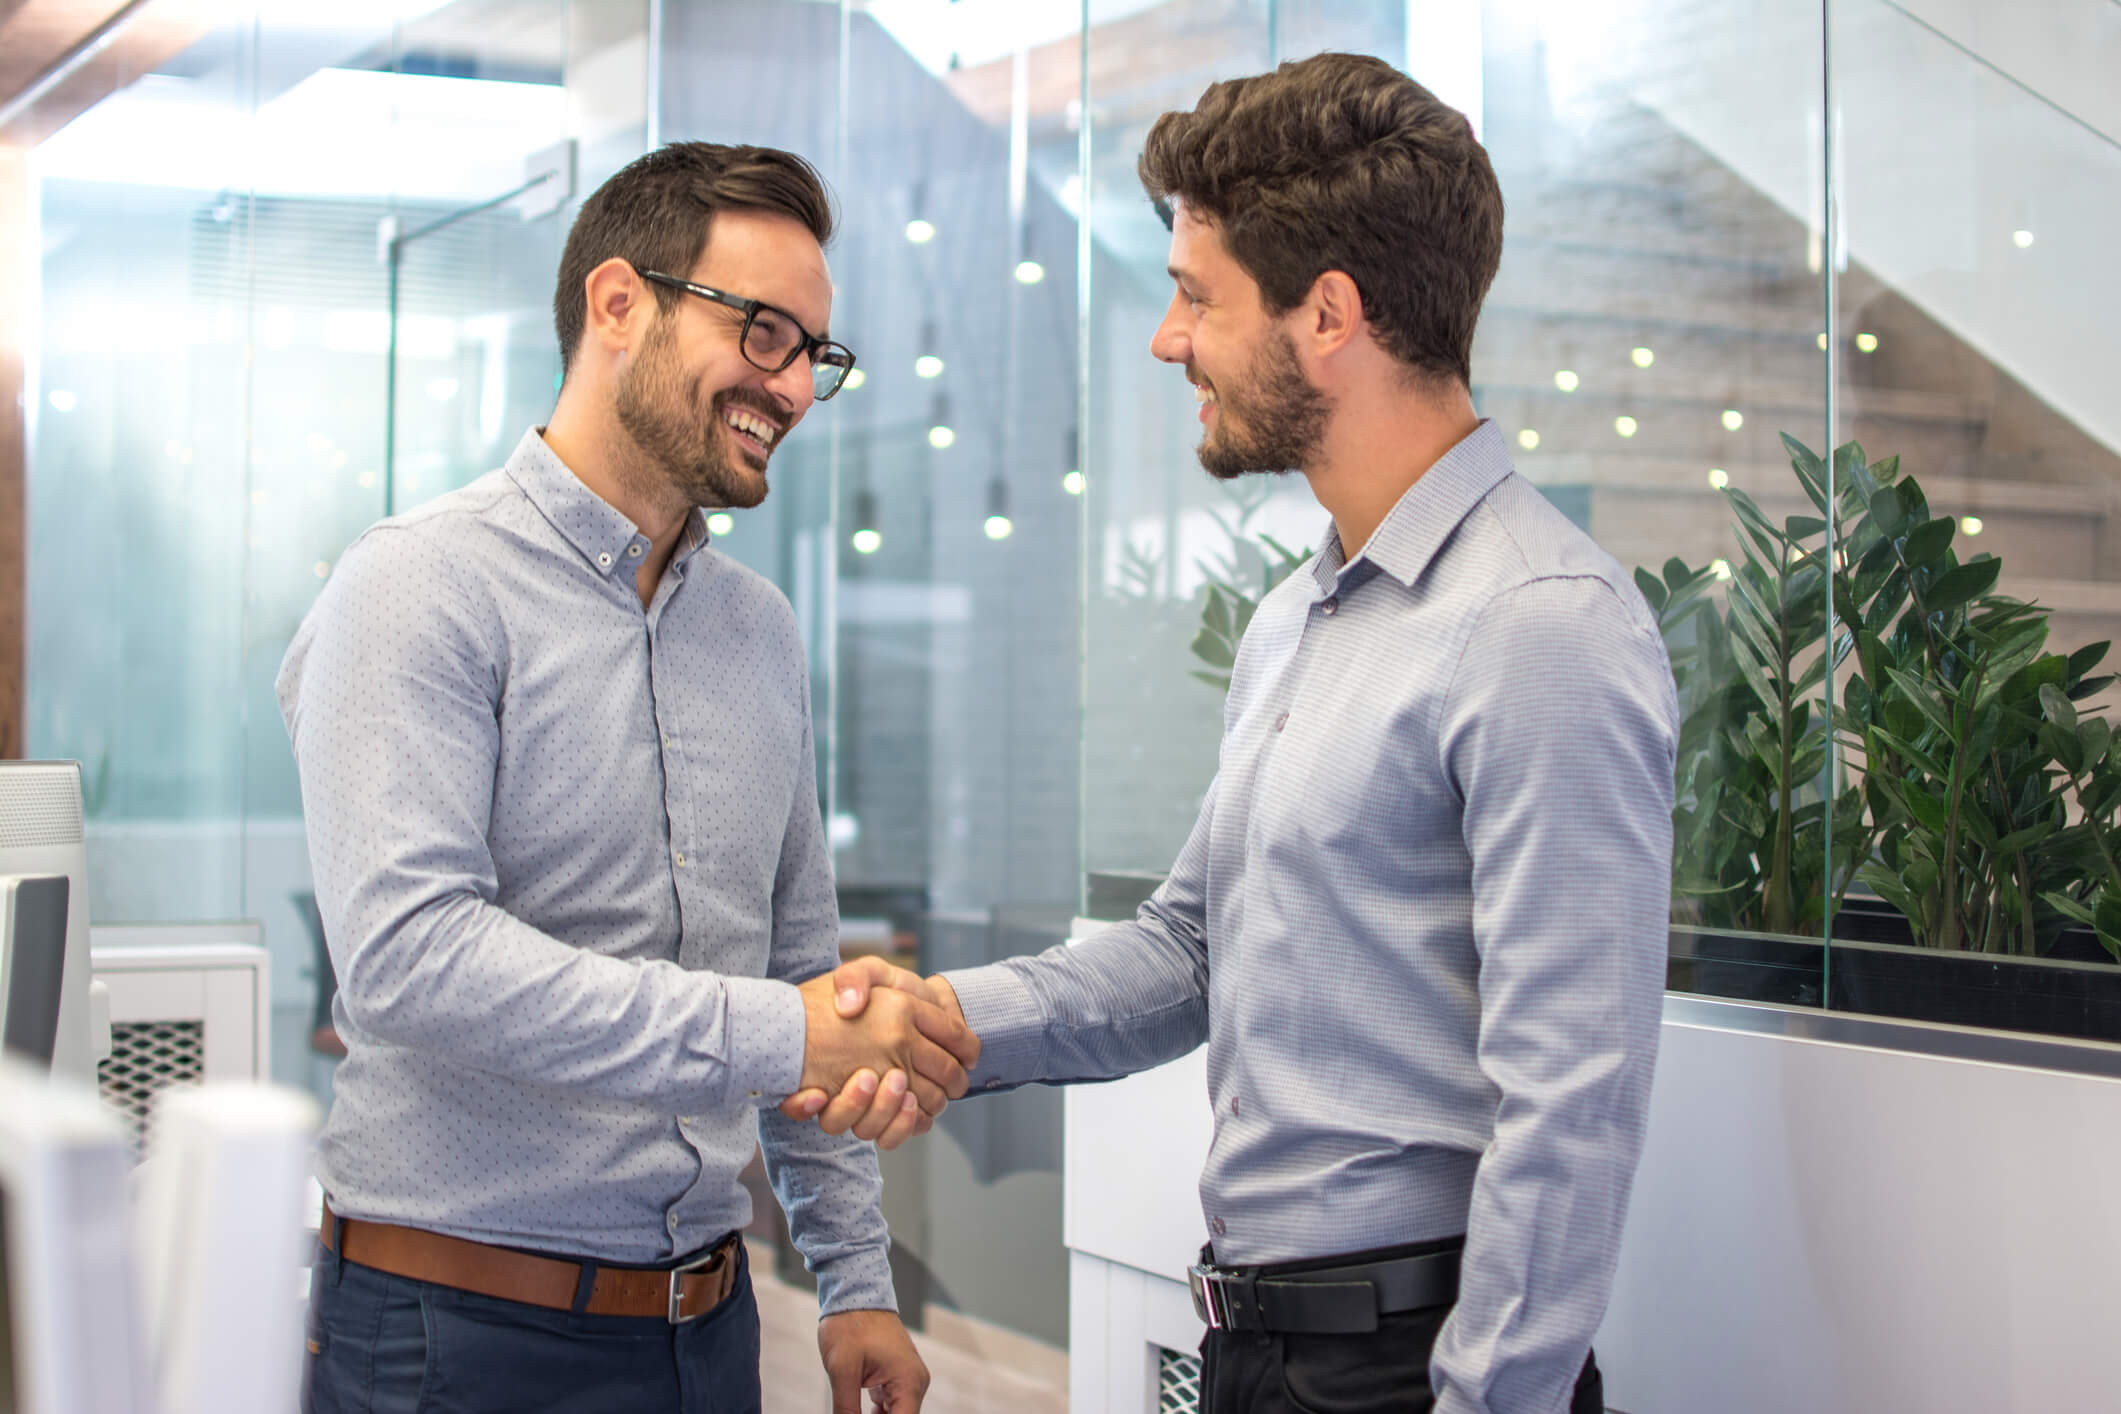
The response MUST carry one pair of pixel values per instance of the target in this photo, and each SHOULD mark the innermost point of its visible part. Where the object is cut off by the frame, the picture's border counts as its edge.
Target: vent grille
(146, 1058)
(40, 804)
(1177, 1382)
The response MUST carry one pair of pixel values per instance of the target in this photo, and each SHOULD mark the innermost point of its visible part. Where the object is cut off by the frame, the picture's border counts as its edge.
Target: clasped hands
(884, 1051)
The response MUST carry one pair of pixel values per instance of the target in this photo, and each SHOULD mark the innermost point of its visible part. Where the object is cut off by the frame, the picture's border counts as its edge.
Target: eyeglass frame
(750, 309)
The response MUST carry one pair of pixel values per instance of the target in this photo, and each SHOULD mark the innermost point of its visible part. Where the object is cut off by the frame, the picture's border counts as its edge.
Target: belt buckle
(1205, 1283)
(677, 1284)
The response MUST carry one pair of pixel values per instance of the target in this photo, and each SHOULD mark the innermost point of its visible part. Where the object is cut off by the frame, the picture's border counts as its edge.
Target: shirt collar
(1406, 541)
(592, 525)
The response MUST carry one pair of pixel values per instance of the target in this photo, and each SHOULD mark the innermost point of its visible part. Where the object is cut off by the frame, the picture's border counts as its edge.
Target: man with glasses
(556, 762)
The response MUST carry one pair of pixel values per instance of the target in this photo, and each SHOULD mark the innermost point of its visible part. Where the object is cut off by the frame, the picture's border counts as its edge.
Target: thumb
(846, 1377)
(852, 981)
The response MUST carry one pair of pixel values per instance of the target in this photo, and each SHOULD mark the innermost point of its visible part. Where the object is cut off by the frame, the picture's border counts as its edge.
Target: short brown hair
(658, 211)
(1342, 162)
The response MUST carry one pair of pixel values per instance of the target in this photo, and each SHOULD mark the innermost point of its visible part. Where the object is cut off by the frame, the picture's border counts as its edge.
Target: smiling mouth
(751, 427)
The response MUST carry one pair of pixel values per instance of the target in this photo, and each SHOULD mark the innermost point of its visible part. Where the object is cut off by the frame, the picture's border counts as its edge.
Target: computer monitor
(69, 1331)
(222, 1242)
(40, 835)
(32, 963)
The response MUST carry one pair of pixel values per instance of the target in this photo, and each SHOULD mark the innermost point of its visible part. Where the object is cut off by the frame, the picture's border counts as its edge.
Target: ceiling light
(940, 436)
(1867, 343)
(855, 379)
(1072, 483)
(998, 525)
(1719, 478)
(2021, 238)
(1566, 380)
(63, 400)
(1029, 272)
(867, 542)
(1733, 419)
(1528, 439)
(1822, 343)
(1720, 568)
(720, 523)
(1641, 357)
(919, 232)
(928, 366)
(1625, 426)
(1971, 525)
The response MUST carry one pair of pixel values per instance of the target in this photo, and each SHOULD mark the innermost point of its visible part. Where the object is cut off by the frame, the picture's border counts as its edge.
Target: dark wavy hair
(658, 211)
(1342, 162)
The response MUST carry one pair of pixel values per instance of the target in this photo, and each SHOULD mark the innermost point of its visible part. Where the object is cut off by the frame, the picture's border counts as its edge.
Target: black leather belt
(1324, 1301)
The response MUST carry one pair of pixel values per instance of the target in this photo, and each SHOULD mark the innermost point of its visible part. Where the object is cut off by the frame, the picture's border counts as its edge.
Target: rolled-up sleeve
(1559, 732)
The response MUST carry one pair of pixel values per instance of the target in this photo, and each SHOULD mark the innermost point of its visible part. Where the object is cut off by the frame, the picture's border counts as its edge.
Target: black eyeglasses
(772, 339)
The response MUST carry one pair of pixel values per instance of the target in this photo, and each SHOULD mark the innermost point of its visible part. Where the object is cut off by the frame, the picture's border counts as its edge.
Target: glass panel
(1656, 329)
(1982, 166)
(1657, 321)
(139, 475)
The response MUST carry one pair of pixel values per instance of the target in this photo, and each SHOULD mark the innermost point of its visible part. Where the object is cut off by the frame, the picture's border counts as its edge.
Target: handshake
(883, 1052)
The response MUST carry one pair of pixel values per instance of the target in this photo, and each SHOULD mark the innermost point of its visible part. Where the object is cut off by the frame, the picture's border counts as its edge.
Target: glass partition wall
(1801, 312)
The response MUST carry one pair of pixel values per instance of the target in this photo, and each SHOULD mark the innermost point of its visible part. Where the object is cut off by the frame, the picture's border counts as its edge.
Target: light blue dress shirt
(1420, 924)
(561, 843)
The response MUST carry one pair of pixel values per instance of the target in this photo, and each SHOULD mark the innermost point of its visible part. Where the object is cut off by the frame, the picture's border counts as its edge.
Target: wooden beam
(39, 33)
(18, 244)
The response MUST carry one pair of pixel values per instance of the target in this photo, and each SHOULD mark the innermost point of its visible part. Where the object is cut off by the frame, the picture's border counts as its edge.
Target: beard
(1271, 420)
(661, 410)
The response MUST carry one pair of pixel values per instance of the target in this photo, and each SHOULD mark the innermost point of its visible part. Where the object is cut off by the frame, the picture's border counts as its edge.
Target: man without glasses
(1421, 919)
(556, 762)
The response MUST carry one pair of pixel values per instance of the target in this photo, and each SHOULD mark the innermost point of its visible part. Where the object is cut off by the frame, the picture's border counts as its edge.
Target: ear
(620, 307)
(1332, 314)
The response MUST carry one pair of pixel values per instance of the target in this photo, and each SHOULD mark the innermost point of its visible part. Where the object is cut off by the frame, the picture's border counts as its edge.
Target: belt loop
(584, 1285)
(338, 1247)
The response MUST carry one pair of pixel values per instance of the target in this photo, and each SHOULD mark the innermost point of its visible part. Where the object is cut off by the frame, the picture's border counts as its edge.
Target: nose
(1172, 342)
(793, 390)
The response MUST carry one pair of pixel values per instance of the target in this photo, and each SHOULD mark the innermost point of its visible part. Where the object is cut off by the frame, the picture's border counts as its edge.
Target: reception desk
(1835, 1214)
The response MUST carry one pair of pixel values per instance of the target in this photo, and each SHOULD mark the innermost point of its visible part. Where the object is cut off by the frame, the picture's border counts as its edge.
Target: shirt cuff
(856, 1281)
(1003, 1012)
(767, 1033)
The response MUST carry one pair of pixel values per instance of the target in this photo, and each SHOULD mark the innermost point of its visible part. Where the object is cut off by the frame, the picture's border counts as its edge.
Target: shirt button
(633, 549)
(1221, 1228)
(681, 858)
(1281, 721)
(668, 742)
(673, 1224)
(1330, 606)
(754, 1094)
(604, 559)
(994, 1084)
(1233, 1104)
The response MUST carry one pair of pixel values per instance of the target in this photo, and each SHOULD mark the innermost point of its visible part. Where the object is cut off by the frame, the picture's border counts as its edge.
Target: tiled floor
(964, 1382)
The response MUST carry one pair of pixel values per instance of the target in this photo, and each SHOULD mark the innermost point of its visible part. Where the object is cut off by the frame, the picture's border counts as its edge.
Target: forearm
(458, 977)
(832, 1192)
(1132, 997)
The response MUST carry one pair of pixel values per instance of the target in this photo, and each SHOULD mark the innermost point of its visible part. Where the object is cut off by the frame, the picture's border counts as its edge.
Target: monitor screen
(36, 965)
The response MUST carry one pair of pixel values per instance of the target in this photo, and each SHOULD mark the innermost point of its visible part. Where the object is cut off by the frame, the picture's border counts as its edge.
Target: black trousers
(1385, 1371)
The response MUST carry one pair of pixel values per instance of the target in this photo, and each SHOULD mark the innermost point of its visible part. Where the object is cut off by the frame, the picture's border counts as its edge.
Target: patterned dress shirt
(568, 856)
(1420, 924)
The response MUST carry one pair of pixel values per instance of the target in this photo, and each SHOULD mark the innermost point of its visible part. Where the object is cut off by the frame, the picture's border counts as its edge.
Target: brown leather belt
(678, 1295)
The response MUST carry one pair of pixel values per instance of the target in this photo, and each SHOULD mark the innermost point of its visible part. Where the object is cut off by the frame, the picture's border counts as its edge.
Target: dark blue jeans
(380, 1344)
